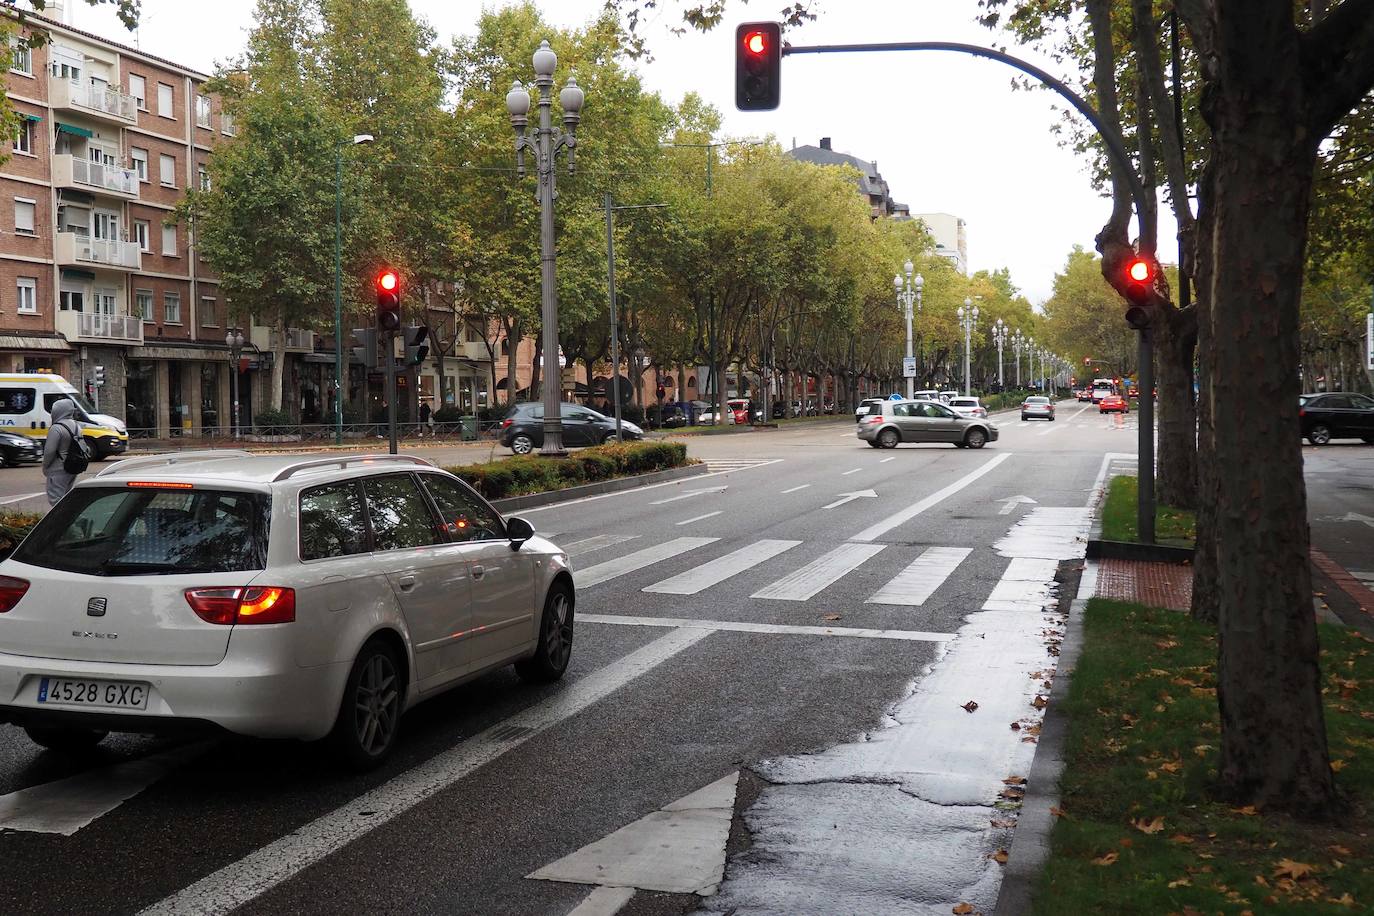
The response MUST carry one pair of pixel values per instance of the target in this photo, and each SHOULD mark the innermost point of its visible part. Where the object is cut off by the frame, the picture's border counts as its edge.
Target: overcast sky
(947, 131)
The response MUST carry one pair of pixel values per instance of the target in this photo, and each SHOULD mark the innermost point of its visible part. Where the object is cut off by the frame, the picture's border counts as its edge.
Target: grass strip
(1173, 527)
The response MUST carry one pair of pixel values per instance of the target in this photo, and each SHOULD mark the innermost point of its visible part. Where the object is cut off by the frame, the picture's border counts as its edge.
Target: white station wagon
(270, 596)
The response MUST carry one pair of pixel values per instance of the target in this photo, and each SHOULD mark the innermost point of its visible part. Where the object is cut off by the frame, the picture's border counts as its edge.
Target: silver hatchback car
(889, 423)
(270, 596)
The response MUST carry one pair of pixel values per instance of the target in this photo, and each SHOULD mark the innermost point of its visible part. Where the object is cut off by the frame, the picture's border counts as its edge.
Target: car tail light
(11, 590)
(237, 605)
(873, 419)
(1302, 411)
(507, 423)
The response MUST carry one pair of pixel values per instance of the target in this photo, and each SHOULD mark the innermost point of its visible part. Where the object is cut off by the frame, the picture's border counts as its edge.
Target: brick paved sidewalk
(1167, 585)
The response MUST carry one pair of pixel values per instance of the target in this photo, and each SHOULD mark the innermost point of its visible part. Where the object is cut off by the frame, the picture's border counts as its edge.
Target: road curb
(1127, 550)
(601, 487)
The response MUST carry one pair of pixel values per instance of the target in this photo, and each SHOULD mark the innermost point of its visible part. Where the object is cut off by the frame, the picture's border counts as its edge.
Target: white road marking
(19, 499)
(604, 572)
(604, 901)
(855, 471)
(878, 529)
(688, 521)
(587, 545)
(718, 570)
(850, 497)
(689, 623)
(678, 849)
(805, 583)
(886, 460)
(257, 873)
(66, 805)
(1051, 428)
(1027, 584)
(795, 489)
(913, 585)
(738, 464)
(1012, 502)
(688, 495)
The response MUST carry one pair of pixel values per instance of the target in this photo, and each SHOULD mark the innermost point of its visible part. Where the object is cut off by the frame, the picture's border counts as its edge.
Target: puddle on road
(901, 821)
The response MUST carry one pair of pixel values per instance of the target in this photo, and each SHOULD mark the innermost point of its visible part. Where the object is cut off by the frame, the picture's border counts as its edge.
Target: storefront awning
(75, 131)
(16, 342)
(25, 116)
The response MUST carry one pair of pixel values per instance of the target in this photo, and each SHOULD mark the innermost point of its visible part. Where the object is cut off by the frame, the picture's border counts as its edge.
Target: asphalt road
(702, 650)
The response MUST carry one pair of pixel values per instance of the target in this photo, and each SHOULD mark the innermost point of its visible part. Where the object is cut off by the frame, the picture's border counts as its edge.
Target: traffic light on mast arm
(388, 285)
(758, 66)
(1138, 285)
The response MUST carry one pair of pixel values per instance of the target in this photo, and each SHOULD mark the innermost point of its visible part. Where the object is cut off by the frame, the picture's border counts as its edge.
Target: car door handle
(478, 572)
(406, 583)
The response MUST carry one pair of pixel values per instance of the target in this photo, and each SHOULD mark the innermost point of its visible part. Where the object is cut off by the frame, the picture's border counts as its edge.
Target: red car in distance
(1113, 402)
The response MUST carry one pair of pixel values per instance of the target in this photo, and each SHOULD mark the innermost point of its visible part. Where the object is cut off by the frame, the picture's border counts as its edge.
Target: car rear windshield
(122, 531)
(1037, 400)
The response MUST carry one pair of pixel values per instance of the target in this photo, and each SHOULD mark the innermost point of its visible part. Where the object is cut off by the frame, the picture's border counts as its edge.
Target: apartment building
(93, 271)
(951, 237)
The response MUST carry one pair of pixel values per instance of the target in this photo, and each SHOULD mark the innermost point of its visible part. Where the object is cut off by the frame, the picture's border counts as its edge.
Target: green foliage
(1084, 318)
(271, 422)
(1173, 527)
(14, 527)
(525, 474)
(1140, 831)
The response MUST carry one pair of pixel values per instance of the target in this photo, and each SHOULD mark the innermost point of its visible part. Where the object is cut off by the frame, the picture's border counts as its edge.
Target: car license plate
(105, 694)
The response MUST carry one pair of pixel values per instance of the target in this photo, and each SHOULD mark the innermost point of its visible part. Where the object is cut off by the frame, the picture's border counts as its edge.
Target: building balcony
(106, 104)
(298, 340)
(473, 350)
(90, 327)
(72, 249)
(94, 177)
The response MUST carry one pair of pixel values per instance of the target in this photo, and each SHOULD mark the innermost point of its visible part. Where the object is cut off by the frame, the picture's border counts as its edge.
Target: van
(27, 397)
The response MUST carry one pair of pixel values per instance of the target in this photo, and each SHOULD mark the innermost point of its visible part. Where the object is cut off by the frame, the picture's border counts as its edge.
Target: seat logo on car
(95, 607)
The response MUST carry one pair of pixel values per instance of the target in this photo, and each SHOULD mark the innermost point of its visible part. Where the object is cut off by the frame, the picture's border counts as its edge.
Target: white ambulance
(26, 399)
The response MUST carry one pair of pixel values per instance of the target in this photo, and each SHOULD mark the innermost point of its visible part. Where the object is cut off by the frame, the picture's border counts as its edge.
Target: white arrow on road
(1010, 504)
(850, 497)
(1356, 517)
(688, 495)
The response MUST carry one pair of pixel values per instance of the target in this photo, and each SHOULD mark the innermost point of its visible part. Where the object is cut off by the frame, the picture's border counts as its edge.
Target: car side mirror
(519, 531)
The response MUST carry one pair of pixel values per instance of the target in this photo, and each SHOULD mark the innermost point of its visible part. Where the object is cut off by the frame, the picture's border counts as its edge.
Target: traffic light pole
(1145, 448)
(389, 354)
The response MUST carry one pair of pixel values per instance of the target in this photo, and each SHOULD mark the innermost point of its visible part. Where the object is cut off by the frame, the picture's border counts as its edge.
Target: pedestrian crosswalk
(917, 582)
(809, 581)
(737, 464)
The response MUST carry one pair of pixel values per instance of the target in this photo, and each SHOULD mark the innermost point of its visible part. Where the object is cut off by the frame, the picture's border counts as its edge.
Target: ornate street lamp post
(999, 336)
(545, 146)
(968, 320)
(234, 341)
(908, 292)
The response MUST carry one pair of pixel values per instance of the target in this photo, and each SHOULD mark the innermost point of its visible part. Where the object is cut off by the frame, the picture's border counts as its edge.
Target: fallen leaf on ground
(1039, 702)
(1181, 882)
(1172, 766)
(1343, 900)
(1248, 811)
(1002, 822)
(1166, 644)
(1340, 850)
(1108, 859)
(1145, 826)
(833, 617)
(1014, 781)
(1287, 868)
(1016, 726)
(1337, 766)
(1181, 838)
(1012, 792)
(1056, 812)
(970, 706)
(1202, 749)
(962, 909)
(1000, 857)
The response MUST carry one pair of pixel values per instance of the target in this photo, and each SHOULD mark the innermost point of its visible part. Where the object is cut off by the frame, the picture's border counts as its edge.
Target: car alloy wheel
(376, 703)
(1320, 434)
(888, 438)
(522, 444)
(554, 649)
(976, 438)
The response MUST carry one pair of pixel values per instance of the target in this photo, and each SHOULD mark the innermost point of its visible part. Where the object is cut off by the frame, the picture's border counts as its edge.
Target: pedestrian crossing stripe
(913, 585)
(738, 464)
(813, 578)
(631, 562)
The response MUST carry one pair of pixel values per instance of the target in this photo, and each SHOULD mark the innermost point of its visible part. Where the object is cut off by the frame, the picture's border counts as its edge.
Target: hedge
(13, 527)
(526, 474)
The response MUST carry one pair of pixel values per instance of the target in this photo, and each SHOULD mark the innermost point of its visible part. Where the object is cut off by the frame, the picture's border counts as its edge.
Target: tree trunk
(278, 365)
(514, 332)
(1273, 736)
(1206, 589)
(1175, 343)
(537, 367)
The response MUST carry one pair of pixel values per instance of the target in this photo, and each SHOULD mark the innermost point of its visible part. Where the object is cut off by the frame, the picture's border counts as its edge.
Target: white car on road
(270, 596)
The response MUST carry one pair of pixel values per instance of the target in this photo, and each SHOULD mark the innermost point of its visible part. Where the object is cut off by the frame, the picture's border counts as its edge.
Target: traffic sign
(909, 367)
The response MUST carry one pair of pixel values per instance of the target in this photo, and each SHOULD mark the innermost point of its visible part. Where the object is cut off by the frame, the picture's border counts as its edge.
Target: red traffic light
(756, 42)
(388, 280)
(1140, 270)
(758, 66)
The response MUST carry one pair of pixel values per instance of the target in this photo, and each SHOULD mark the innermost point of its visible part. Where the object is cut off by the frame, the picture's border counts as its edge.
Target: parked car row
(522, 428)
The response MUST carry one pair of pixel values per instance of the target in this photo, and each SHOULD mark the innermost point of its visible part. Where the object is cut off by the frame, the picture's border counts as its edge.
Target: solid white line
(687, 623)
(878, 529)
(604, 901)
(913, 585)
(805, 583)
(604, 572)
(688, 521)
(66, 805)
(18, 499)
(886, 460)
(717, 571)
(855, 471)
(587, 545)
(651, 486)
(689, 495)
(795, 489)
(255, 874)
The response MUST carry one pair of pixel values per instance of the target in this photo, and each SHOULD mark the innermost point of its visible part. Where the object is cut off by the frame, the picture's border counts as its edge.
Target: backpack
(78, 456)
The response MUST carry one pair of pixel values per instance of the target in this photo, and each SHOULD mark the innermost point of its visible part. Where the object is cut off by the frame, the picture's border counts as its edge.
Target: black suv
(522, 429)
(1337, 415)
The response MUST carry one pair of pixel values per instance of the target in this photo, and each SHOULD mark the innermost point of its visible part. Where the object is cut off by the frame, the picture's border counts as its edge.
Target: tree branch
(1171, 143)
(1104, 83)
(1338, 63)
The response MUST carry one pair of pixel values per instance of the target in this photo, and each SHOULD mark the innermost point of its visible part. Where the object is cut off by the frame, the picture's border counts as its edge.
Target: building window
(169, 240)
(72, 300)
(167, 170)
(143, 304)
(143, 234)
(204, 177)
(139, 157)
(203, 111)
(23, 216)
(226, 123)
(138, 88)
(23, 139)
(165, 106)
(26, 290)
(208, 318)
(22, 62)
(171, 308)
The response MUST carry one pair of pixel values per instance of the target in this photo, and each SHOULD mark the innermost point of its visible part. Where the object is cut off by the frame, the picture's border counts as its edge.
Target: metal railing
(73, 247)
(109, 327)
(471, 430)
(102, 99)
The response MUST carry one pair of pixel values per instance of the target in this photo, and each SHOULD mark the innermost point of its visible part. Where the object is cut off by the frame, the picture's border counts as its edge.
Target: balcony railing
(297, 339)
(98, 328)
(74, 171)
(101, 101)
(72, 248)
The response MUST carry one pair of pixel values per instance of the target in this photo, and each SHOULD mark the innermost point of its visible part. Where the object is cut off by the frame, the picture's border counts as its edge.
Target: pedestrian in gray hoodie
(61, 434)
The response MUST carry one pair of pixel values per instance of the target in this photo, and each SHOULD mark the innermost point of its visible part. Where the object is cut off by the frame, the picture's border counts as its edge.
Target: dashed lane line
(795, 489)
(688, 521)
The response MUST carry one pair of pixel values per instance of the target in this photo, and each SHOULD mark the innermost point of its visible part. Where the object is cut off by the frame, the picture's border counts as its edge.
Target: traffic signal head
(758, 66)
(1139, 289)
(99, 376)
(416, 348)
(366, 351)
(388, 300)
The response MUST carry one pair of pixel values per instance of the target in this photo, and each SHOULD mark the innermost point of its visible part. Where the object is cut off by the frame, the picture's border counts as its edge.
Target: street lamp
(548, 141)
(1017, 342)
(968, 320)
(908, 292)
(338, 284)
(234, 341)
(999, 336)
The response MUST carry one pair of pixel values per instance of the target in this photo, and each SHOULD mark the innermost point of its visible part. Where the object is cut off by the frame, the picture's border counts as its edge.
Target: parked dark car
(16, 449)
(1336, 415)
(522, 429)
(674, 416)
